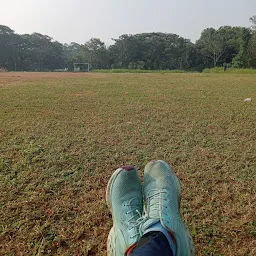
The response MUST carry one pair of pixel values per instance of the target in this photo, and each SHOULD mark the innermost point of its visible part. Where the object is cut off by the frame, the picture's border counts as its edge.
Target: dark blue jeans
(153, 244)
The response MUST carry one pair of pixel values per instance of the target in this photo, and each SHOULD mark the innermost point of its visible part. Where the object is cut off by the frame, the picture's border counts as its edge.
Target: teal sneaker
(162, 194)
(124, 199)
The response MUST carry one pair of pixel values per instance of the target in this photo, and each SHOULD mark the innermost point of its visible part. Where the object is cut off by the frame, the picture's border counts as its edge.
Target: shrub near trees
(235, 46)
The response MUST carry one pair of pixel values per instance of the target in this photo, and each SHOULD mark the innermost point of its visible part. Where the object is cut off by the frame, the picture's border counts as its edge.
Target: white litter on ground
(248, 100)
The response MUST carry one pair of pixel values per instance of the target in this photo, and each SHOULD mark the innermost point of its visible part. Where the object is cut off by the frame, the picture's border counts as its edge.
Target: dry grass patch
(62, 135)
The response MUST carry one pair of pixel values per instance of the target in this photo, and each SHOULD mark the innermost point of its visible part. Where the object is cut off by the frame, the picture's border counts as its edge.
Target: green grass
(62, 135)
(230, 70)
(136, 71)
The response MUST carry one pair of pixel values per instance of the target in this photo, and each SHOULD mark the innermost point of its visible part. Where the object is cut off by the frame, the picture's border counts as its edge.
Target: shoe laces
(134, 215)
(157, 199)
(156, 207)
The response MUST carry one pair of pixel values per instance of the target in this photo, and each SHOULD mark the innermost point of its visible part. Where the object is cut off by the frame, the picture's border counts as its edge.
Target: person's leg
(124, 198)
(162, 194)
(152, 244)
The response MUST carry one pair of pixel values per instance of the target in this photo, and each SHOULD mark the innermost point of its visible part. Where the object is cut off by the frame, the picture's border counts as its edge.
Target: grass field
(62, 135)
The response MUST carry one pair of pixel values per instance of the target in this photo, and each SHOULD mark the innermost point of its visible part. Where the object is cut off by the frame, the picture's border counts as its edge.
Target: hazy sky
(79, 20)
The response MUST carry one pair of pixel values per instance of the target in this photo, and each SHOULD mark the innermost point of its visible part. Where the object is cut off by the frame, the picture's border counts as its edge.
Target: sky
(79, 20)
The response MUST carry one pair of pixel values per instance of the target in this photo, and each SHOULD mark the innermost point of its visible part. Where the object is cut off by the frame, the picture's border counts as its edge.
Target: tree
(212, 44)
(72, 53)
(6, 48)
(43, 52)
(152, 51)
(252, 44)
(125, 52)
(253, 21)
(241, 60)
(95, 53)
(225, 45)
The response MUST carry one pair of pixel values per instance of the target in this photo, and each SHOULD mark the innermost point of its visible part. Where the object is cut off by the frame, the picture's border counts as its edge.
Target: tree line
(230, 46)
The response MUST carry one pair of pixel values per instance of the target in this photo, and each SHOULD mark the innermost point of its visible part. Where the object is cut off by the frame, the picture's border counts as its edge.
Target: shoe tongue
(148, 224)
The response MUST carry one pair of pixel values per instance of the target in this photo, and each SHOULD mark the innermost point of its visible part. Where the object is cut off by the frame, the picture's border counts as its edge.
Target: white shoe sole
(109, 187)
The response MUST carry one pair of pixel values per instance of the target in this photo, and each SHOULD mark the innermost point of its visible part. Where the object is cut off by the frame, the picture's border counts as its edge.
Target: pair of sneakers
(161, 192)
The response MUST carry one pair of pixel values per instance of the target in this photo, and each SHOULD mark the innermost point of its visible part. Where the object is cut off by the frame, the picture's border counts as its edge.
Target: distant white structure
(61, 70)
(3, 69)
(81, 67)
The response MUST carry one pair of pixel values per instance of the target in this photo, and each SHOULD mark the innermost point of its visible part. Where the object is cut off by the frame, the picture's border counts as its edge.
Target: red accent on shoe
(128, 168)
(172, 236)
(130, 249)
